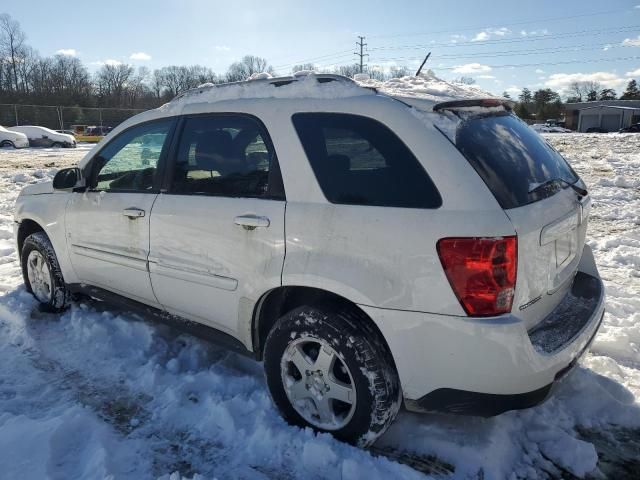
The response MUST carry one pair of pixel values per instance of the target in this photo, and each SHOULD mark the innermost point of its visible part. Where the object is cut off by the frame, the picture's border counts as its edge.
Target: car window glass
(359, 161)
(130, 161)
(226, 155)
(511, 158)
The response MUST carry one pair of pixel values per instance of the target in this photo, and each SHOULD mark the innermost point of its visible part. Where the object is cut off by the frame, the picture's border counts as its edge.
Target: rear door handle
(133, 212)
(250, 222)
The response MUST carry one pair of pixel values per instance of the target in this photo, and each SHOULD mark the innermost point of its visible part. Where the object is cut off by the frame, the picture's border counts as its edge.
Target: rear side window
(511, 158)
(359, 161)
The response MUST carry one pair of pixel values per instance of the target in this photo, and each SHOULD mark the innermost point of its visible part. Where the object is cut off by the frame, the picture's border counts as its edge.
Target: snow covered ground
(98, 393)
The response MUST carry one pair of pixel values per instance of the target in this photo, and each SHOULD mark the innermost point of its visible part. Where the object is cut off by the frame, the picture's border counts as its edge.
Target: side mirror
(69, 179)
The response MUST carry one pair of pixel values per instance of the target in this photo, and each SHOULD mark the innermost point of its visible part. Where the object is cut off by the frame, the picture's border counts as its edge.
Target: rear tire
(327, 369)
(42, 274)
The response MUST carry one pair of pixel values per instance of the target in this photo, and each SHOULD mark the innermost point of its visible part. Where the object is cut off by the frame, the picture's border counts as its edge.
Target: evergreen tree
(608, 94)
(526, 96)
(632, 92)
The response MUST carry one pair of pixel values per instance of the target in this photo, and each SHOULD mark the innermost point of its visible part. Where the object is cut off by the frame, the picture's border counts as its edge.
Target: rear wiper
(580, 191)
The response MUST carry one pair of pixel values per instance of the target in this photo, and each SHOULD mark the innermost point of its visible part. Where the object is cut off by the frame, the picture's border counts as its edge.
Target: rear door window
(226, 155)
(359, 161)
(511, 158)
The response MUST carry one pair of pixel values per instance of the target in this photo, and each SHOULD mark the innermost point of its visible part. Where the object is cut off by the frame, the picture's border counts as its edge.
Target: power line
(361, 44)
(579, 33)
(473, 27)
(341, 53)
(550, 64)
(574, 34)
(511, 53)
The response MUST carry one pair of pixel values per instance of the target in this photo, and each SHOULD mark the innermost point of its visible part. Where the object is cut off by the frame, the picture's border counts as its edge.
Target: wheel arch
(277, 302)
(27, 227)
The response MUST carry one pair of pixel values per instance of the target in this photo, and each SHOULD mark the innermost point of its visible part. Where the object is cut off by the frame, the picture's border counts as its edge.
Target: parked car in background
(547, 128)
(596, 130)
(68, 132)
(13, 139)
(434, 253)
(45, 137)
(635, 128)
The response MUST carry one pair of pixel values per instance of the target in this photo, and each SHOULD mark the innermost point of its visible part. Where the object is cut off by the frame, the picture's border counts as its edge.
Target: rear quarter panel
(380, 256)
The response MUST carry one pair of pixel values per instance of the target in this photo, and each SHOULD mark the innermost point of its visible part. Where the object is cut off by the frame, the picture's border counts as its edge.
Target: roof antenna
(423, 62)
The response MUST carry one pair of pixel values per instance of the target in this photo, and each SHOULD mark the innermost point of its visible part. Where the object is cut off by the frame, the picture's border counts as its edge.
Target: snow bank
(97, 393)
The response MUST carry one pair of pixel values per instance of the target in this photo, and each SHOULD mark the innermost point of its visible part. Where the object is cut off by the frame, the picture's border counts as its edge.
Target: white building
(609, 115)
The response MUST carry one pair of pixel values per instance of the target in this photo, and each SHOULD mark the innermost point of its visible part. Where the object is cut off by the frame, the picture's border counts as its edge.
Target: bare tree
(399, 72)
(111, 81)
(303, 67)
(12, 45)
(249, 65)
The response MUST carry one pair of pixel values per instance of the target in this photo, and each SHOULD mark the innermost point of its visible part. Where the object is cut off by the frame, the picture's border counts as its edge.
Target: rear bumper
(488, 366)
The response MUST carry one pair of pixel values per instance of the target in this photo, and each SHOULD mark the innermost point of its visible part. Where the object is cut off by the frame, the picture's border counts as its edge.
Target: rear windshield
(511, 158)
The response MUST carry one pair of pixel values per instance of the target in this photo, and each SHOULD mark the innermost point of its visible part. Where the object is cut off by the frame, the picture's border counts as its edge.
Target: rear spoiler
(475, 102)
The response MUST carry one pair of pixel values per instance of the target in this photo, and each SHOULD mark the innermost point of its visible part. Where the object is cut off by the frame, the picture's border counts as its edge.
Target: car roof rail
(276, 81)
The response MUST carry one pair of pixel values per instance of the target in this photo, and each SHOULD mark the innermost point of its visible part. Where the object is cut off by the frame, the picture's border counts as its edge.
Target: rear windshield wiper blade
(580, 191)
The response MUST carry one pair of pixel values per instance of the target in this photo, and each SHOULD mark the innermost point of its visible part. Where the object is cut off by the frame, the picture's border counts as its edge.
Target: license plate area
(560, 239)
(566, 246)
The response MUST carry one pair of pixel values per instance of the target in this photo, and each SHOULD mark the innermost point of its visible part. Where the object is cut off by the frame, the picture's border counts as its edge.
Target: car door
(108, 225)
(217, 234)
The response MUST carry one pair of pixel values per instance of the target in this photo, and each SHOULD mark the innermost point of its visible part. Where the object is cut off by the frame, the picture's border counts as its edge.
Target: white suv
(371, 250)
(45, 137)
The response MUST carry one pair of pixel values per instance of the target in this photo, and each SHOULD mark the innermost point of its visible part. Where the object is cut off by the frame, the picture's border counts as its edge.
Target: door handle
(133, 212)
(251, 222)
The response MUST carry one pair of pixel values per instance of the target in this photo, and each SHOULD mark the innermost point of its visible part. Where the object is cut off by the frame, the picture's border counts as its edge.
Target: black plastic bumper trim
(463, 402)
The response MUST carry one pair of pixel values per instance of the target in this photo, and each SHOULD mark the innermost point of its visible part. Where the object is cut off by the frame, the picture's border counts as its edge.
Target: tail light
(482, 272)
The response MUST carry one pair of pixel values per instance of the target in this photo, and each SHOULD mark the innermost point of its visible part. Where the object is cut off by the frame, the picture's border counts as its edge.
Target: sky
(503, 45)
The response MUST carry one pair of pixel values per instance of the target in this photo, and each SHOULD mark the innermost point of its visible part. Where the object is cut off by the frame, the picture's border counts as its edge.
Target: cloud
(472, 68)
(140, 56)
(513, 90)
(634, 73)
(539, 71)
(109, 61)
(68, 52)
(491, 33)
(534, 33)
(486, 76)
(457, 38)
(561, 81)
(631, 42)
(222, 48)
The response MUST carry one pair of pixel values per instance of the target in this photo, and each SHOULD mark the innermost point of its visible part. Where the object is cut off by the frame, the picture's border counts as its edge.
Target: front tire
(7, 143)
(327, 369)
(56, 145)
(42, 274)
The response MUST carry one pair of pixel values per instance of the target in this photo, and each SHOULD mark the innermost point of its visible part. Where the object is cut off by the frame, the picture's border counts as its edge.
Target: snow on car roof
(423, 90)
(264, 86)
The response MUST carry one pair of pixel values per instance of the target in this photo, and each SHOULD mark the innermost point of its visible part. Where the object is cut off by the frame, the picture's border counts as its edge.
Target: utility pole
(361, 44)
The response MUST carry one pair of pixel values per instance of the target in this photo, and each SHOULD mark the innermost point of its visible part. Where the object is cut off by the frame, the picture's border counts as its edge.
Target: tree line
(27, 77)
(546, 103)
